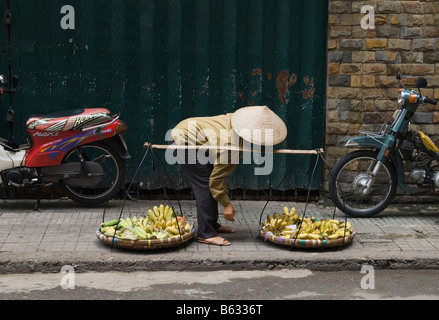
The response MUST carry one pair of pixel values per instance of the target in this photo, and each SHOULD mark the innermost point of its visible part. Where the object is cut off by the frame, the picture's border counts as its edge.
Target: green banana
(148, 229)
(139, 232)
(111, 223)
(123, 223)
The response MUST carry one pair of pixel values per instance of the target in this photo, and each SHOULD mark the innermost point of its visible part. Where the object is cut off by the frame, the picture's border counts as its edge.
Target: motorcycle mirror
(15, 81)
(421, 83)
(398, 75)
(3, 79)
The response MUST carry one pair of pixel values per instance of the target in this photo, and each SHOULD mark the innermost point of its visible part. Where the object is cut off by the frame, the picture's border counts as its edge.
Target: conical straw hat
(259, 125)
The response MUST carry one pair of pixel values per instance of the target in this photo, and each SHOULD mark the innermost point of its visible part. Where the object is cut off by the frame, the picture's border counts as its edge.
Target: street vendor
(207, 169)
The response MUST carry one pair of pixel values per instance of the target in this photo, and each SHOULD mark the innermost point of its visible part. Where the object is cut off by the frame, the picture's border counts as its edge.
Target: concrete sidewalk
(63, 233)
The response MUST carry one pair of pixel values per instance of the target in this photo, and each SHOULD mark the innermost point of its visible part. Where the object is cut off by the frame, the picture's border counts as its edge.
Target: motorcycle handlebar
(430, 101)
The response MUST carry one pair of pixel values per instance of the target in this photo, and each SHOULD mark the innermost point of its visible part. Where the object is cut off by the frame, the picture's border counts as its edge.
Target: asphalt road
(230, 286)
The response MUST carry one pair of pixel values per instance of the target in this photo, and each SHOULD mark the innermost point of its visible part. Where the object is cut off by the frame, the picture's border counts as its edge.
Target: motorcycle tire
(347, 184)
(114, 174)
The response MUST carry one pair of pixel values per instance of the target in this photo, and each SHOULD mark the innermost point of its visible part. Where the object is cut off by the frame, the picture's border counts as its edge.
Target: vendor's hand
(229, 213)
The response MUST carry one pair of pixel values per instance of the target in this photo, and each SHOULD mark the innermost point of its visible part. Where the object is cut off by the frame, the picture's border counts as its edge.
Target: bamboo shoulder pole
(231, 148)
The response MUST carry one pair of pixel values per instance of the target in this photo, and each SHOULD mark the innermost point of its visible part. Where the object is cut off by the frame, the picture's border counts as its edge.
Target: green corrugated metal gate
(160, 61)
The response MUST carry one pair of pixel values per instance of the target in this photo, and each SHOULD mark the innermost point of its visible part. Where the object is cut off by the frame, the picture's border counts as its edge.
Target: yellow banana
(295, 218)
(311, 228)
(168, 213)
(313, 236)
(173, 230)
(286, 211)
(274, 224)
(323, 226)
(334, 236)
(156, 211)
(151, 215)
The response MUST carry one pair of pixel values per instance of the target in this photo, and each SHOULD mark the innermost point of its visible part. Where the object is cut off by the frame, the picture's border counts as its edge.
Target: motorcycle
(81, 151)
(364, 182)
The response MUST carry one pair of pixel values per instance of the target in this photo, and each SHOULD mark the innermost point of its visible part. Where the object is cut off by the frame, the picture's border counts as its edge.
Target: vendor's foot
(225, 229)
(215, 241)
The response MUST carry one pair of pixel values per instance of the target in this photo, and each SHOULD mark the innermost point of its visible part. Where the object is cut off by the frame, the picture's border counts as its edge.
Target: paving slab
(64, 233)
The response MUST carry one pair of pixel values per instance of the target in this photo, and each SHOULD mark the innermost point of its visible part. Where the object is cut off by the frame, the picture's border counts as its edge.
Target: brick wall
(362, 65)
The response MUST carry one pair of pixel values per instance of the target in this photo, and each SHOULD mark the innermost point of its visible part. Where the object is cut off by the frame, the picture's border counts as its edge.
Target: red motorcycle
(81, 150)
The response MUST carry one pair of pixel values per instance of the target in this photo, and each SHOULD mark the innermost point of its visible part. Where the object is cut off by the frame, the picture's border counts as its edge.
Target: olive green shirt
(212, 131)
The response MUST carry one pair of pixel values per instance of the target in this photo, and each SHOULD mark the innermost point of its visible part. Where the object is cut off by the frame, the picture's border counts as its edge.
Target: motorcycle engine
(19, 177)
(424, 167)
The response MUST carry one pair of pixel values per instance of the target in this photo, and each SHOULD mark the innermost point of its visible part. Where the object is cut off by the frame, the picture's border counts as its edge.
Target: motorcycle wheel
(347, 184)
(114, 169)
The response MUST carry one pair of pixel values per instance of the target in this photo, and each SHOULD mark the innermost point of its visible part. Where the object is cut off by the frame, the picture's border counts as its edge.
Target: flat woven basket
(306, 244)
(145, 244)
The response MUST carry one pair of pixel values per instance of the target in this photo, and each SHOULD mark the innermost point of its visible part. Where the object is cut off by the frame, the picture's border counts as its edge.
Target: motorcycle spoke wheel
(349, 180)
(111, 180)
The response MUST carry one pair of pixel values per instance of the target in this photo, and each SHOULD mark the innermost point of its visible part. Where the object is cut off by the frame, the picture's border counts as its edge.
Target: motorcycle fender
(366, 141)
(377, 142)
(119, 145)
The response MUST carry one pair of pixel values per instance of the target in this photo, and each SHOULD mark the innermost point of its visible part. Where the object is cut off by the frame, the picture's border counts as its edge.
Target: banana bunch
(283, 225)
(291, 226)
(160, 223)
(314, 229)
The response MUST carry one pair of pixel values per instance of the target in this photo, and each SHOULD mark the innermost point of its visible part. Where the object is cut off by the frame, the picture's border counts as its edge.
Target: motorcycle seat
(59, 114)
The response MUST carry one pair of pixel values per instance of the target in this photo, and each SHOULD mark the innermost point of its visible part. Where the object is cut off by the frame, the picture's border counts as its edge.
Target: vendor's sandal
(216, 241)
(225, 229)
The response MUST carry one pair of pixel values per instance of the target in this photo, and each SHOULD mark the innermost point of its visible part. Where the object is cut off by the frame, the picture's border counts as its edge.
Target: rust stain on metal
(269, 76)
(309, 94)
(257, 72)
(241, 96)
(282, 83)
(293, 79)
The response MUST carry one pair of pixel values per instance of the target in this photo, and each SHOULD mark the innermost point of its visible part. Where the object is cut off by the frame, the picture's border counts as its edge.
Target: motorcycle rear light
(121, 127)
